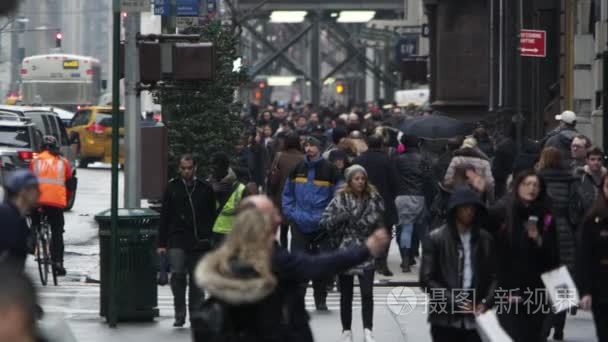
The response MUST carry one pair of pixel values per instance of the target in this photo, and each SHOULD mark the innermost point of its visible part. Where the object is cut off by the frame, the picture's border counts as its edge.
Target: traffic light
(340, 88)
(58, 39)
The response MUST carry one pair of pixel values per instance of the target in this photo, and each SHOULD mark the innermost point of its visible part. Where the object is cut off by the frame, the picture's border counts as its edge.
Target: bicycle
(43, 251)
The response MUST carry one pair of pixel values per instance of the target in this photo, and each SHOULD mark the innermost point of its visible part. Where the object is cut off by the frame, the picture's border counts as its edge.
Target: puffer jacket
(414, 173)
(443, 263)
(307, 192)
(475, 158)
(562, 190)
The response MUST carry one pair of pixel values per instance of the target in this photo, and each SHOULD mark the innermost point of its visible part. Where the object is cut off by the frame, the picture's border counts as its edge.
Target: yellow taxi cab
(91, 130)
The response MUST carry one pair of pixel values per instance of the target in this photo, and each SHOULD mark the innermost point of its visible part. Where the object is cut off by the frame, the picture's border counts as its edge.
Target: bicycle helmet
(49, 142)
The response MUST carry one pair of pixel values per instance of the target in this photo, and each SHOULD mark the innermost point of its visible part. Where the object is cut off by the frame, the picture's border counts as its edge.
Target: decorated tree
(204, 116)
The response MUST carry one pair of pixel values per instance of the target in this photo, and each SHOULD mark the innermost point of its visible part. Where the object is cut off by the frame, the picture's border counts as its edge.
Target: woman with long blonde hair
(238, 276)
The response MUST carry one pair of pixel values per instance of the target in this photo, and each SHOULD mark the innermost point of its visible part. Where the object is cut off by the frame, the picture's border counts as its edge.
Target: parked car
(91, 130)
(36, 122)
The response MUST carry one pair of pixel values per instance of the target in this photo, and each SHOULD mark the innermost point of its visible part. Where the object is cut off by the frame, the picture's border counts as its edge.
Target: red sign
(533, 43)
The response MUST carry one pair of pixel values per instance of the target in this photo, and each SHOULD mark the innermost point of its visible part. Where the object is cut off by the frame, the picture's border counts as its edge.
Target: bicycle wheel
(42, 259)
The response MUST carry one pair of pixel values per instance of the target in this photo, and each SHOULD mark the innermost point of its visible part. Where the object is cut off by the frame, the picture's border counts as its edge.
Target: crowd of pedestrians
(483, 218)
(488, 218)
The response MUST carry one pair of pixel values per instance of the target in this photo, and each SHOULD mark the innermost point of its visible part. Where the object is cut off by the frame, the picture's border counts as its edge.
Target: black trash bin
(136, 290)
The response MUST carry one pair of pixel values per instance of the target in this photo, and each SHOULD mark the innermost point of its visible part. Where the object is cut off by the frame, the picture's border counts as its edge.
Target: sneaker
(369, 337)
(347, 336)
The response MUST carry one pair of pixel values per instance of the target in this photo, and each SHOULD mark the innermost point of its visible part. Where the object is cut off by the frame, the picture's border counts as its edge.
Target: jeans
(366, 285)
(410, 234)
(57, 222)
(307, 243)
(182, 269)
(445, 334)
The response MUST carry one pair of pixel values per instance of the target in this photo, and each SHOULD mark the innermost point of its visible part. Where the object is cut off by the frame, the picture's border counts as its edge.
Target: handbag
(274, 179)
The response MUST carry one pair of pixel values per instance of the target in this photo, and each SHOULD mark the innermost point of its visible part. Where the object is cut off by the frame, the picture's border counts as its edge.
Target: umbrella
(435, 126)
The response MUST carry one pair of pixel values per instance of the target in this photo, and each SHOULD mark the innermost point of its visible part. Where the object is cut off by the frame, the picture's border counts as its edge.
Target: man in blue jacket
(308, 190)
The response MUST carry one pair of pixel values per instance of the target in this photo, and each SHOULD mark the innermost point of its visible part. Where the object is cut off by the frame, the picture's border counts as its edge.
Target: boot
(321, 305)
(60, 270)
(405, 260)
(382, 268)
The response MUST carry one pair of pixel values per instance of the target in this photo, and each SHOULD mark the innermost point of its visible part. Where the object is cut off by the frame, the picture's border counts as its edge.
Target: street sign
(183, 8)
(533, 43)
(135, 6)
(162, 7)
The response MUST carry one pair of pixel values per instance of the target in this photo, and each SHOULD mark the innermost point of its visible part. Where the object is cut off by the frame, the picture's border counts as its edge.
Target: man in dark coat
(285, 161)
(561, 137)
(413, 171)
(187, 216)
(382, 174)
(459, 269)
(590, 177)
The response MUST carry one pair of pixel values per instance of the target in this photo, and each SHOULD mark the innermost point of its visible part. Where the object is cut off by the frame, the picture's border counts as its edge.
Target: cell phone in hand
(533, 219)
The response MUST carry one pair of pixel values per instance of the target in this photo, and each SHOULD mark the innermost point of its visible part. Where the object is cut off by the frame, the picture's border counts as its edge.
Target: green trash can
(136, 289)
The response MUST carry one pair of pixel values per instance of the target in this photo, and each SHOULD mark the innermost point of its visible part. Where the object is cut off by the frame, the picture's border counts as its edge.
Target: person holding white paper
(526, 240)
(459, 270)
(592, 262)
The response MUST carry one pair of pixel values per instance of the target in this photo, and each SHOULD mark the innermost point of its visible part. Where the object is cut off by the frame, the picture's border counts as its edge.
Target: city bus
(62, 80)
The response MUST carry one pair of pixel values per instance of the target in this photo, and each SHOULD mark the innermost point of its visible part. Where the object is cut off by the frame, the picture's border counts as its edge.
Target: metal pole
(518, 66)
(132, 115)
(114, 255)
(605, 100)
(315, 62)
(168, 24)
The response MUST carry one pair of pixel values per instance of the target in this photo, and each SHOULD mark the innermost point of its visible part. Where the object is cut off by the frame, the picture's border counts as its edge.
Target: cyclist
(21, 190)
(53, 171)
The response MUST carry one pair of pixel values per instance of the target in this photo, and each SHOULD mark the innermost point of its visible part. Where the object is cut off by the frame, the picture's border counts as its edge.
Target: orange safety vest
(50, 171)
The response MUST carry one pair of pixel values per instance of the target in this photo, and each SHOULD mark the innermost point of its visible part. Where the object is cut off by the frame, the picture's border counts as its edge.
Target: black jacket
(186, 221)
(587, 189)
(521, 260)
(562, 190)
(443, 263)
(382, 174)
(14, 234)
(592, 258)
(258, 309)
(413, 172)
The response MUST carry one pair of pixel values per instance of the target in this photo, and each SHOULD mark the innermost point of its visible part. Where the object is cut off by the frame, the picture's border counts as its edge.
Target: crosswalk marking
(81, 299)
